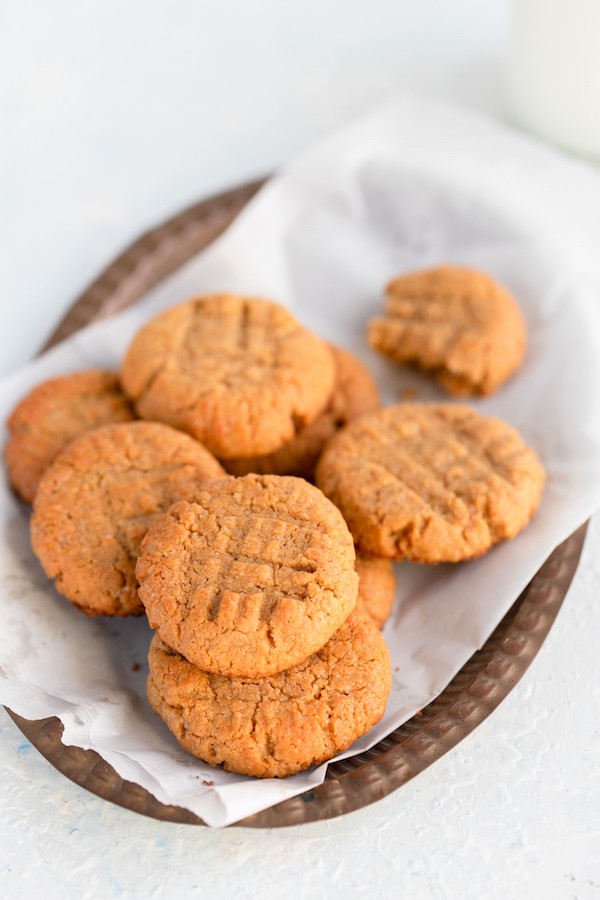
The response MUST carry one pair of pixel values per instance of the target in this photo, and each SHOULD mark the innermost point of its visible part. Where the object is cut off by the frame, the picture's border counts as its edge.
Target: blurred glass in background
(554, 71)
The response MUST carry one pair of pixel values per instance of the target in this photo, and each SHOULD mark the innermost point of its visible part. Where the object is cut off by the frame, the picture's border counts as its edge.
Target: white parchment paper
(414, 184)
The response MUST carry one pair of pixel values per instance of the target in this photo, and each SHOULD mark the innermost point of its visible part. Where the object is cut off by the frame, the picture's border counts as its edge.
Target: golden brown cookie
(431, 482)
(458, 323)
(98, 498)
(241, 375)
(276, 726)
(51, 415)
(355, 393)
(250, 577)
(376, 587)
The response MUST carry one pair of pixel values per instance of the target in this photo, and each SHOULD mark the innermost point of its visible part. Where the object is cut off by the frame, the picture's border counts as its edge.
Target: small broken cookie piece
(376, 587)
(249, 576)
(240, 374)
(355, 394)
(98, 498)
(276, 726)
(54, 413)
(431, 482)
(457, 323)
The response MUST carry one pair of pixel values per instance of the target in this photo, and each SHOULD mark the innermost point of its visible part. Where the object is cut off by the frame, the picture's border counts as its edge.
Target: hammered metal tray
(477, 689)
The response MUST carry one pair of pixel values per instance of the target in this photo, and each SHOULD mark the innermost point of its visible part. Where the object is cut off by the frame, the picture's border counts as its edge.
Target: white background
(114, 115)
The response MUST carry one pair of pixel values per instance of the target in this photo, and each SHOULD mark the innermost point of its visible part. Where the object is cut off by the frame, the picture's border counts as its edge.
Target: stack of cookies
(183, 489)
(259, 662)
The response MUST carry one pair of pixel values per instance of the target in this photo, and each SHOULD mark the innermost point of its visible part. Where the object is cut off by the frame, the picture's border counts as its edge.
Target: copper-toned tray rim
(485, 680)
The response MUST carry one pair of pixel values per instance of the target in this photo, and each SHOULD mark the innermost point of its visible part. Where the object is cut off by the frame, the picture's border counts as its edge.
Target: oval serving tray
(485, 680)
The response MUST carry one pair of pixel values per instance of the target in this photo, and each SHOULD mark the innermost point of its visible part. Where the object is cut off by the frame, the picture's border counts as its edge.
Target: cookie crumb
(135, 667)
(409, 393)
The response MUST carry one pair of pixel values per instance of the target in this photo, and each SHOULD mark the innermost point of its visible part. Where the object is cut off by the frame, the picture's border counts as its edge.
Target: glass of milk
(554, 71)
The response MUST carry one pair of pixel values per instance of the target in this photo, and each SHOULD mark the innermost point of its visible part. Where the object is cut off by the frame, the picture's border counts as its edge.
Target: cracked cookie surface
(98, 498)
(276, 726)
(249, 577)
(458, 323)
(51, 415)
(376, 587)
(355, 393)
(240, 374)
(431, 482)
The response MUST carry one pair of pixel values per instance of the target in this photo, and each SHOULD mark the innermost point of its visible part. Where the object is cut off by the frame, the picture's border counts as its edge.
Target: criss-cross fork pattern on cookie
(250, 577)
(240, 374)
(458, 323)
(432, 483)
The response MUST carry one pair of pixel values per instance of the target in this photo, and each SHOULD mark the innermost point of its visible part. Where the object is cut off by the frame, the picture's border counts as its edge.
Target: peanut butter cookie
(354, 394)
(98, 498)
(458, 323)
(241, 375)
(250, 577)
(431, 482)
(376, 587)
(51, 415)
(276, 726)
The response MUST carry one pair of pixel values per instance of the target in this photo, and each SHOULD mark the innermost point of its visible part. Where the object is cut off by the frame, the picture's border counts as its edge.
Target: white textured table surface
(115, 116)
